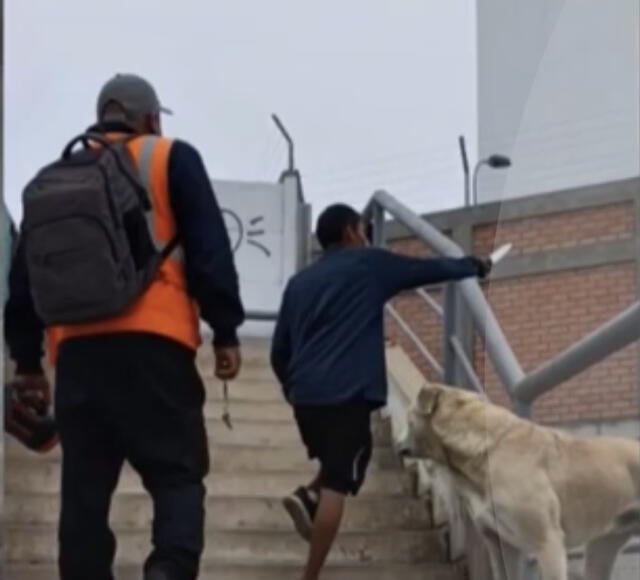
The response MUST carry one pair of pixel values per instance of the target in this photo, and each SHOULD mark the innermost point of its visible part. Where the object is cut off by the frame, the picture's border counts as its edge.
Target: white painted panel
(263, 231)
(255, 222)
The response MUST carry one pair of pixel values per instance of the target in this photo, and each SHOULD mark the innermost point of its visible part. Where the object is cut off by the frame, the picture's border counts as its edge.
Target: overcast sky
(375, 92)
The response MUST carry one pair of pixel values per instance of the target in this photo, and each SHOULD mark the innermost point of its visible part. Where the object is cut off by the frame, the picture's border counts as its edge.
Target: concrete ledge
(526, 207)
(590, 256)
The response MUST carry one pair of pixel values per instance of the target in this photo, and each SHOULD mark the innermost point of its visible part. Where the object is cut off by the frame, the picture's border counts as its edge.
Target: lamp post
(494, 162)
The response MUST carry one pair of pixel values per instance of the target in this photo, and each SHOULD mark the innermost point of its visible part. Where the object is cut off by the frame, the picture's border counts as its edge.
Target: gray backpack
(89, 245)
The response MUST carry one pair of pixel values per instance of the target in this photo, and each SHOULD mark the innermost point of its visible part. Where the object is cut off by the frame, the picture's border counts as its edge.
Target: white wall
(263, 221)
(558, 90)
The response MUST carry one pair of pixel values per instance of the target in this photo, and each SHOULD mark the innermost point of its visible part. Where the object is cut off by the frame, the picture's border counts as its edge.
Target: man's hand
(34, 391)
(483, 265)
(228, 362)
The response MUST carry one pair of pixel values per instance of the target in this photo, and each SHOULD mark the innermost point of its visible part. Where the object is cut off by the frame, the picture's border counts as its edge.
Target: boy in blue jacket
(328, 354)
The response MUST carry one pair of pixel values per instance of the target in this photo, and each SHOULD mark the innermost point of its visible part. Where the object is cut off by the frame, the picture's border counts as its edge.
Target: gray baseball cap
(135, 95)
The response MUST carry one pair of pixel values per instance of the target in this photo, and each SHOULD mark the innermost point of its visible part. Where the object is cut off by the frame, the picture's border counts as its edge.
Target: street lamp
(495, 162)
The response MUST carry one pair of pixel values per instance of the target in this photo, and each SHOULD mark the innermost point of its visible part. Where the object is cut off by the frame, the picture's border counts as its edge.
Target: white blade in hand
(500, 253)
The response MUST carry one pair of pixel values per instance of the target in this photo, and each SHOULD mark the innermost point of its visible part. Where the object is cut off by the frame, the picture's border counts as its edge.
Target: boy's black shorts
(339, 436)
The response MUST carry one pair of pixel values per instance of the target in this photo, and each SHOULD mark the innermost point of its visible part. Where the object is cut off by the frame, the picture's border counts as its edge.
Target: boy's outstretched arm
(396, 273)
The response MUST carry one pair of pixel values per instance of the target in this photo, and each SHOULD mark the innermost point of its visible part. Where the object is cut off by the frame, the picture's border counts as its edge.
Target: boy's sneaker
(302, 505)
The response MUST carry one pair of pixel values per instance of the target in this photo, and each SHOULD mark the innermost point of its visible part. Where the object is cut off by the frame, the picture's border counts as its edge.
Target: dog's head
(421, 440)
(437, 415)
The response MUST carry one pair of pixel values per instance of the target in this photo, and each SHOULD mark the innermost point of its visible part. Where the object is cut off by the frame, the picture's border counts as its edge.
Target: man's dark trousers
(138, 398)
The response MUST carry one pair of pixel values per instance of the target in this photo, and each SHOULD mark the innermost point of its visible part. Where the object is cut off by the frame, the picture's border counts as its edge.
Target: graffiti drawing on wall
(239, 233)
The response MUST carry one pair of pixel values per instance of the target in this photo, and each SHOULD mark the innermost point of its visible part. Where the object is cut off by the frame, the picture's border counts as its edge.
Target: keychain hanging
(226, 415)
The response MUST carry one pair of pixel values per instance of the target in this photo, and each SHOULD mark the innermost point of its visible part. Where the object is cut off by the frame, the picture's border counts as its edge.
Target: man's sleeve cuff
(29, 367)
(225, 337)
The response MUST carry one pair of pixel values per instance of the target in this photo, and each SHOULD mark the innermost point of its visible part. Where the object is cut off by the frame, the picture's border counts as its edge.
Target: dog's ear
(427, 399)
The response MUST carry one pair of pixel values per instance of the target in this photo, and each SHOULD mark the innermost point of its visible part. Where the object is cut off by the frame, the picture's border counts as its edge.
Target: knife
(500, 253)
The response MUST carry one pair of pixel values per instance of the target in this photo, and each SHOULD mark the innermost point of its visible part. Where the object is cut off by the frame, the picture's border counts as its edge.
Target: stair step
(430, 571)
(250, 411)
(257, 371)
(134, 511)
(22, 478)
(228, 458)
(247, 410)
(387, 533)
(247, 390)
(38, 545)
(253, 352)
(273, 459)
(271, 433)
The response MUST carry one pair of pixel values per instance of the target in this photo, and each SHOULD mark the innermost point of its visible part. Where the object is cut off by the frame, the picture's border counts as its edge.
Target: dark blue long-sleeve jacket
(211, 273)
(328, 346)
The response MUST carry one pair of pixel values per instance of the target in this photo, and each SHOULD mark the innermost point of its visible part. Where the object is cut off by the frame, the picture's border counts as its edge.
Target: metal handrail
(261, 315)
(500, 352)
(614, 335)
(609, 338)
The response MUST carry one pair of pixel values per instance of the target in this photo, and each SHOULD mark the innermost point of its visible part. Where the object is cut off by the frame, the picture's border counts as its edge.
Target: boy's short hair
(332, 223)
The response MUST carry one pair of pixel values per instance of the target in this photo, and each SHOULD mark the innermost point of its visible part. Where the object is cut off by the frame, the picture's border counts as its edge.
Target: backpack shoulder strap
(85, 139)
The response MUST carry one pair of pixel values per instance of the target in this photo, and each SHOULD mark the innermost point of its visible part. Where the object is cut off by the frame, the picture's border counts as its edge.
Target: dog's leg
(600, 556)
(552, 558)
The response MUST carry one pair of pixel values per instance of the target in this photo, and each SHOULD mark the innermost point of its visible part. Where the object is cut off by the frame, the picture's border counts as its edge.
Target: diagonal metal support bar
(619, 332)
(406, 329)
(431, 302)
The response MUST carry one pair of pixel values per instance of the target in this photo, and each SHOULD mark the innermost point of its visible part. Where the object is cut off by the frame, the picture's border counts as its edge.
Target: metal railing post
(451, 366)
(378, 226)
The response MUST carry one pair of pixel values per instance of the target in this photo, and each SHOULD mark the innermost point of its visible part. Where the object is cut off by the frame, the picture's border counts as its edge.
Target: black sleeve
(394, 273)
(23, 329)
(281, 344)
(210, 268)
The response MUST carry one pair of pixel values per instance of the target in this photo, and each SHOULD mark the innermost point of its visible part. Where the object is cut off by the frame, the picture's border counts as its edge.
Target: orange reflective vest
(165, 309)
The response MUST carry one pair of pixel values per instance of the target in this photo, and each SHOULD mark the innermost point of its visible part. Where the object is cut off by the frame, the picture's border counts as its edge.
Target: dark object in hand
(34, 428)
(483, 266)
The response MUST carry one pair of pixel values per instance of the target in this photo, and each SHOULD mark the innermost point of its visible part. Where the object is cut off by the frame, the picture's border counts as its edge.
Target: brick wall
(566, 229)
(544, 312)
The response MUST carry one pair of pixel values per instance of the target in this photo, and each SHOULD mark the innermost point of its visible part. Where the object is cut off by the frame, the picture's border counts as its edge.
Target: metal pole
(619, 332)
(451, 376)
(261, 315)
(467, 366)
(424, 230)
(378, 226)
(288, 139)
(476, 172)
(500, 353)
(465, 168)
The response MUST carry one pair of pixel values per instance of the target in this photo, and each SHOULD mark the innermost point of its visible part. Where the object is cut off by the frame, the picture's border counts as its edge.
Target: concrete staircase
(386, 535)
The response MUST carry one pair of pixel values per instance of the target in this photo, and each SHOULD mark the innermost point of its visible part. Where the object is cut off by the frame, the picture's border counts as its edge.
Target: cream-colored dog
(530, 489)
